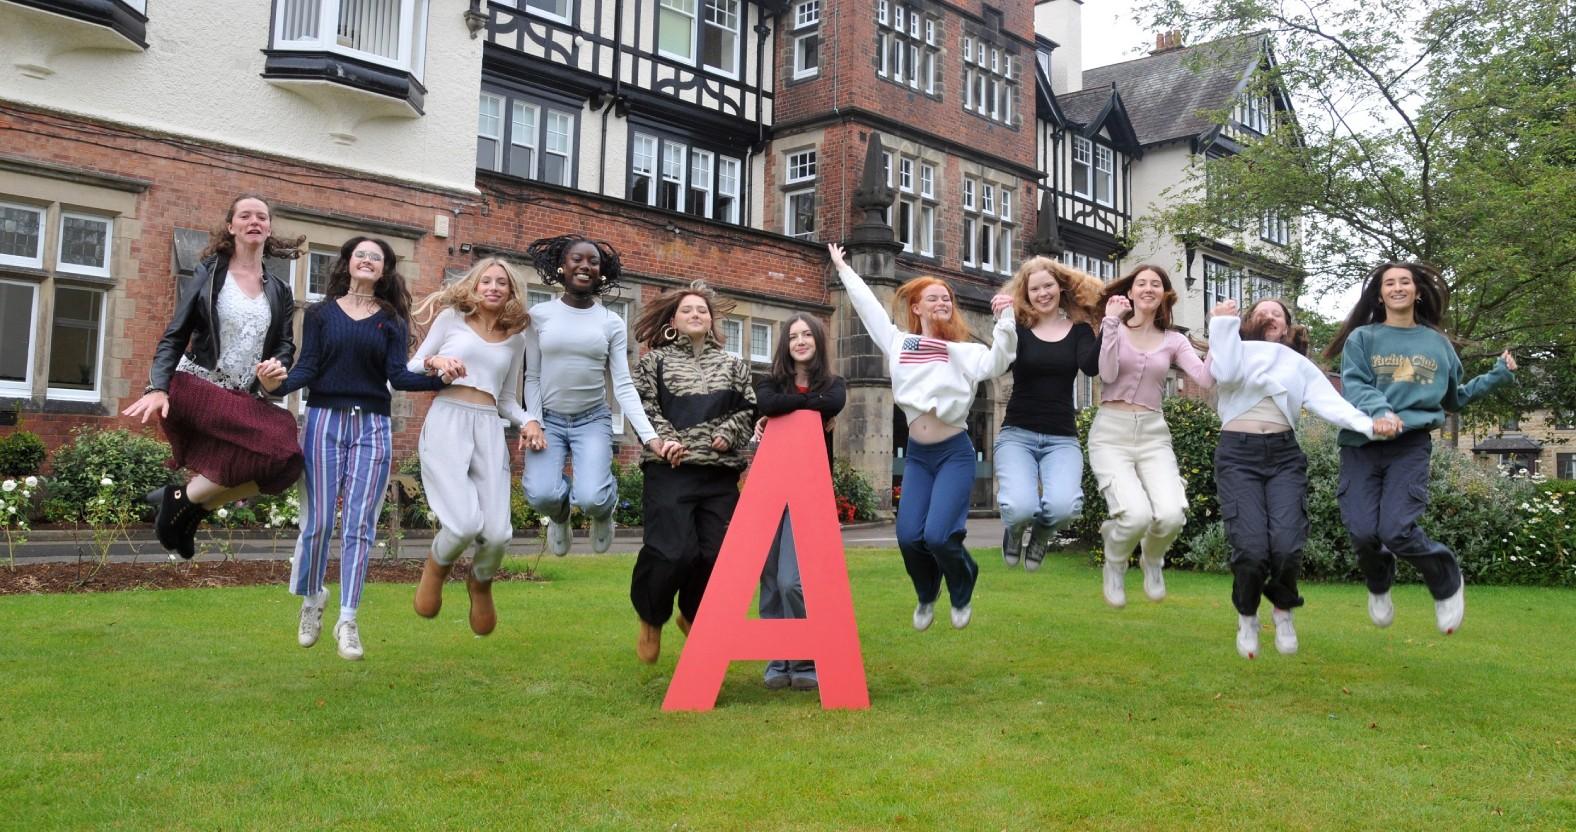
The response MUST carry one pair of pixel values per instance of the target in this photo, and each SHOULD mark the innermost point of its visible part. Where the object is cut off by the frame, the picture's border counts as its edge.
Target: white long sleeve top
(581, 345)
(929, 374)
(1247, 372)
(491, 367)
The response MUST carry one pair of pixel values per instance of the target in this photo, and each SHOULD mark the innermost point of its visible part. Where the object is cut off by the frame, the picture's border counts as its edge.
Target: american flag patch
(918, 349)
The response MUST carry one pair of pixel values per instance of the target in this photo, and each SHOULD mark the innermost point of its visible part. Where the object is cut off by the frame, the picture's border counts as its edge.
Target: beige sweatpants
(1133, 463)
(465, 474)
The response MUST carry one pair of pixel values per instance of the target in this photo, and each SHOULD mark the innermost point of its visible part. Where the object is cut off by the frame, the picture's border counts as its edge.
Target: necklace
(359, 294)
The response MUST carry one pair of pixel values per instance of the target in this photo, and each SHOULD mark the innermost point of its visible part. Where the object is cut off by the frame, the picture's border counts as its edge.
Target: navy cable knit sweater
(346, 363)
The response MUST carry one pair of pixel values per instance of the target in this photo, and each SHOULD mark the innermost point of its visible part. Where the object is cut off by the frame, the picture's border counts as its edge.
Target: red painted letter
(789, 471)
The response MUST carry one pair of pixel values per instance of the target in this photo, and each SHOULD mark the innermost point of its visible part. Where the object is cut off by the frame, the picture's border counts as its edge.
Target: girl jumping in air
(1395, 359)
(1129, 442)
(476, 337)
(934, 370)
(1263, 380)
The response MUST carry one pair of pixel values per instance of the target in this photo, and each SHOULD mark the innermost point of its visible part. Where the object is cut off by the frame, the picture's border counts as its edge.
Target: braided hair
(547, 255)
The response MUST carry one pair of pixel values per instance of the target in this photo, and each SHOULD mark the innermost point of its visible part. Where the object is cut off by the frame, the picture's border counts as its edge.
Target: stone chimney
(1062, 21)
(1167, 42)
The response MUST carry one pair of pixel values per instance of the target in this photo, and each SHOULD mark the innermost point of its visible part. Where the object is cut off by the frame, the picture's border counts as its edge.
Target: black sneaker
(1011, 545)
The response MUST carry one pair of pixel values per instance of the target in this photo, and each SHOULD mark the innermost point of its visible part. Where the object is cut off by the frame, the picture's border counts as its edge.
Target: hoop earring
(669, 333)
(560, 271)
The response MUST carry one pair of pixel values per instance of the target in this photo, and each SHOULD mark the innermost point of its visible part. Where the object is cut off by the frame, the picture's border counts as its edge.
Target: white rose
(223, 513)
(32, 482)
(106, 481)
(8, 486)
(542, 520)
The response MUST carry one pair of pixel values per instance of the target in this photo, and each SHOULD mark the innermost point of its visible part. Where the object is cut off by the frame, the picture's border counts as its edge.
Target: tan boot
(649, 645)
(684, 624)
(484, 617)
(429, 593)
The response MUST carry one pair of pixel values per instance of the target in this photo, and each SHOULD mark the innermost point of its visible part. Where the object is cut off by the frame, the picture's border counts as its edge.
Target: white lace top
(243, 326)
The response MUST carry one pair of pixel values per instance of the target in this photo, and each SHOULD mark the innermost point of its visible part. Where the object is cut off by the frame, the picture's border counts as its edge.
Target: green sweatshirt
(1412, 372)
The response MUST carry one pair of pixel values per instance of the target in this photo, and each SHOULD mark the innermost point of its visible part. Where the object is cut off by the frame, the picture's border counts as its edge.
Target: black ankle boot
(187, 519)
(165, 501)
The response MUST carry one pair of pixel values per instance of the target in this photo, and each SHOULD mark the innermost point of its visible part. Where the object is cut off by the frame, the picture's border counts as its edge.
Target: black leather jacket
(194, 329)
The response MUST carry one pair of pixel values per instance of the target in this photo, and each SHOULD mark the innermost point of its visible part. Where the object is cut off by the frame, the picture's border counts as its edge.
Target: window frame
(738, 326)
(760, 326)
(24, 389)
(37, 261)
(789, 214)
(722, 159)
(65, 394)
(567, 17)
(100, 270)
(411, 37)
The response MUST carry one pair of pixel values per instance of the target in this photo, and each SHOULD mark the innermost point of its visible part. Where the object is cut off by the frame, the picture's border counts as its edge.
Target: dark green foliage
(135, 463)
(21, 454)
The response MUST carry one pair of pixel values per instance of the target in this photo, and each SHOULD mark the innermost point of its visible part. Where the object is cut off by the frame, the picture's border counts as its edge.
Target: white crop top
(493, 368)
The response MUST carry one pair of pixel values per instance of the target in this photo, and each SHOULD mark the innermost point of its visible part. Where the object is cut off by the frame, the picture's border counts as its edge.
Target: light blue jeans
(1039, 478)
(587, 438)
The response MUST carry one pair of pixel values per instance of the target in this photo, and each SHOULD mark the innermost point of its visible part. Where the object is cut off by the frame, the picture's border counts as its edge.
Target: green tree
(1436, 130)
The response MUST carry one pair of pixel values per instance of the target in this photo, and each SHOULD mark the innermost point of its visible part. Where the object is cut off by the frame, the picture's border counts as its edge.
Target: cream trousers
(1131, 457)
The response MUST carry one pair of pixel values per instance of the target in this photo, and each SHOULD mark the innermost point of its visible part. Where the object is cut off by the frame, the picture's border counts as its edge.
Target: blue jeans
(1039, 478)
(588, 438)
(937, 479)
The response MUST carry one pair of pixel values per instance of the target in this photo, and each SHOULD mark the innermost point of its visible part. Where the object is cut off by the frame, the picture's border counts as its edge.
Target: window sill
(123, 26)
(338, 82)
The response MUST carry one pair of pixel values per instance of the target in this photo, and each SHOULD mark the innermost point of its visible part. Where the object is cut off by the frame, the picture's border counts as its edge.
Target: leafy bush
(136, 464)
(21, 454)
(1195, 430)
(1504, 529)
(631, 495)
(856, 497)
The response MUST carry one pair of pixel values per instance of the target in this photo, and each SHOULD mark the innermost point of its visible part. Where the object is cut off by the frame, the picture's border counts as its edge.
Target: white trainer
(961, 616)
(1248, 636)
(601, 534)
(1285, 633)
(1380, 610)
(349, 638)
(1115, 584)
(923, 615)
(558, 537)
(1154, 578)
(311, 623)
(1450, 611)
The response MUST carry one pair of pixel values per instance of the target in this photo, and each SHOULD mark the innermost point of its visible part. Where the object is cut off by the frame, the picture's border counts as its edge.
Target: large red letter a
(789, 471)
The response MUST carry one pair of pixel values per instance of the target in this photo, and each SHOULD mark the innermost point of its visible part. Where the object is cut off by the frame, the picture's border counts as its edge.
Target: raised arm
(1186, 360)
(1003, 349)
(1458, 396)
(1110, 361)
(871, 313)
(395, 344)
(1319, 396)
(624, 392)
(1225, 349)
(432, 343)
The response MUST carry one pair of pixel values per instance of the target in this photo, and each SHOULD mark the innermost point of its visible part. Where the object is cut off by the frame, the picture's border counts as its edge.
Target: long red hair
(953, 329)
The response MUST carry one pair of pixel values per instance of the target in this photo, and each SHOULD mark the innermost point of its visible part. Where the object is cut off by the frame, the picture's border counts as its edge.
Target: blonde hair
(461, 296)
(953, 329)
(1080, 296)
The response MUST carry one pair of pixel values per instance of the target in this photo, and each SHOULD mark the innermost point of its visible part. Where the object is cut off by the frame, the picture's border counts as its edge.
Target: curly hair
(652, 325)
(389, 292)
(461, 296)
(221, 241)
(548, 253)
(1080, 295)
(1433, 299)
(1125, 285)
(1296, 335)
(953, 329)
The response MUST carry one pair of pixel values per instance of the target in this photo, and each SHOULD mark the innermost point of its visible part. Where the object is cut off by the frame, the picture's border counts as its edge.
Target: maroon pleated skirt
(230, 436)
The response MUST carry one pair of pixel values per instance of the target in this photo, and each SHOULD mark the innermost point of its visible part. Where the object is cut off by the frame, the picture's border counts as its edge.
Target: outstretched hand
(1510, 360)
(998, 302)
(836, 252)
(1117, 306)
(1226, 308)
(153, 401)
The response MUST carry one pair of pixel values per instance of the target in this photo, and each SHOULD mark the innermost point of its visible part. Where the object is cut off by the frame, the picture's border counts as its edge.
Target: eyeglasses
(367, 255)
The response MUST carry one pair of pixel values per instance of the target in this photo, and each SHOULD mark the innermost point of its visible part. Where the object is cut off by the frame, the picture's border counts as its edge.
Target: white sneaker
(1154, 579)
(311, 623)
(1450, 611)
(961, 616)
(923, 615)
(601, 534)
(1248, 636)
(1285, 633)
(1380, 610)
(558, 537)
(349, 638)
(1115, 584)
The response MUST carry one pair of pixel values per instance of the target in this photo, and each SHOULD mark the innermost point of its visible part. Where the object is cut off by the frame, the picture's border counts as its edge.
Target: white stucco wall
(1062, 21)
(200, 77)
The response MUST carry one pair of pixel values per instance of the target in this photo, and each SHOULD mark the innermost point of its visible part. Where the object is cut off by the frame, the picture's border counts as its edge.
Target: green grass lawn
(196, 710)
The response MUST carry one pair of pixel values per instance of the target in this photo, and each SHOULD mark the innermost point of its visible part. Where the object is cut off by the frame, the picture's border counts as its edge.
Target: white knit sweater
(1246, 372)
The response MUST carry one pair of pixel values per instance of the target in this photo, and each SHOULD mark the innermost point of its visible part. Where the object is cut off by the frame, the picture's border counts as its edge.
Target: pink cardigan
(1129, 375)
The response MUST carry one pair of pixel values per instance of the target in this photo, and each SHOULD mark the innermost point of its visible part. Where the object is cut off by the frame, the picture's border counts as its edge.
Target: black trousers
(687, 510)
(1383, 491)
(1261, 481)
